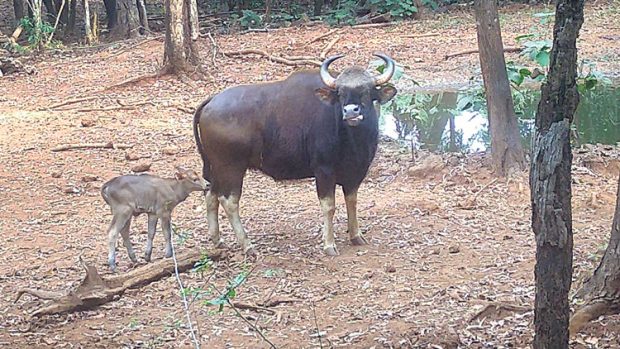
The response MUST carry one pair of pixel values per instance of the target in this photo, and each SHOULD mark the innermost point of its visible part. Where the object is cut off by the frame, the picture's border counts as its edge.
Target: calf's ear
(327, 95)
(385, 93)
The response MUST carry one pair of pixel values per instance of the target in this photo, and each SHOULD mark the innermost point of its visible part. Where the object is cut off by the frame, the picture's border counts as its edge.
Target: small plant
(344, 14)
(37, 34)
(396, 8)
(250, 20)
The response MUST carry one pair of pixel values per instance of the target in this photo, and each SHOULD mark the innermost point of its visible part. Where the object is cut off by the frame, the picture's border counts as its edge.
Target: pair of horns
(381, 79)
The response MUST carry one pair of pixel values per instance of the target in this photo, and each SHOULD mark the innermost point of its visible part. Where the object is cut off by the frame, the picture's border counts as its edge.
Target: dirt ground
(443, 245)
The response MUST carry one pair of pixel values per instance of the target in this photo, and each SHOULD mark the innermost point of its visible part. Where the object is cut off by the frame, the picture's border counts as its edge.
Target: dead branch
(497, 311)
(95, 290)
(467, 52)
(372, 25)
(276, 302)
(133, 80)
(272, 58)
(47, 295)
(299, 58)
(121, 51)
(588, 313)
(73, 101)
(16, 33)
(323, 36)
(256, 308)
(417, 36)
(328, 47)
(108, 145)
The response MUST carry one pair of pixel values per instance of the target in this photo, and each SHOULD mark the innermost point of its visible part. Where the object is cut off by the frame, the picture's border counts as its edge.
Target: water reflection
(438, 121)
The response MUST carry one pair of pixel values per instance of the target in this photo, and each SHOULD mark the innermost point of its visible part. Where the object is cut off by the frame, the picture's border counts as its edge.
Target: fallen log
(96, 290)
(272, 58)
(468, 52)
(108, 145)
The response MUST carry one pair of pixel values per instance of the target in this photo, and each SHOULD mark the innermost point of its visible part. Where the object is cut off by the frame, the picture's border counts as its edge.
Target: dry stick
(483, 188)
(299, 58)
(133, 80)
(120, 52)
(121, 107)
(323, 36)
(72, 101)
(62, 6)
(272, 58)
(417, 36)
(316, 324)
(256, 308)
(260, 333)
(185, 304)
(214, 48)
(328, 47)
(372, 25)
(108, 145)
(467, 52)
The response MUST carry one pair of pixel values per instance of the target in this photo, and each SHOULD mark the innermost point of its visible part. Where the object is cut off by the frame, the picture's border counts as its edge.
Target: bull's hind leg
(326, 188)
(213, 206)
(355, 235)
(230, 204)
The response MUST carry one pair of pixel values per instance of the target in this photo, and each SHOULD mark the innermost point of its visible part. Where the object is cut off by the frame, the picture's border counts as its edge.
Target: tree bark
(72, 16)
(180, 53)
(602, 291)
(110, 10)
(127, 20)
(88, 29)
(194, 26)
(318, 6)
(550, 181)
(144, 21)
(20, 10)
(506, 150)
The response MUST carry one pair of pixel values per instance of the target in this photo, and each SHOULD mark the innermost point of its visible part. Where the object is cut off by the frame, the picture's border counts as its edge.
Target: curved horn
(389, 70)
(327, 78)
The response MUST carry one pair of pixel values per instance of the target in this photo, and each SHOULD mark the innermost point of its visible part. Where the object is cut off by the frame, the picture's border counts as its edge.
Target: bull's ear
(326, 95)
(385, 93)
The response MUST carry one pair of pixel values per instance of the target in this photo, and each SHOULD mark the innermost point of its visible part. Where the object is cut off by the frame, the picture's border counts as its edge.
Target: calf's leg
(127, 241)
(167, 228)
(326, 188)
(118, 222)
(213, 206)
(151, 236)
(355, 235)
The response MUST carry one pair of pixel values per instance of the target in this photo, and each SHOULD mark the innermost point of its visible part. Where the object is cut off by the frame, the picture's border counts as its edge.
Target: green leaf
(543, 58)
(524, 36)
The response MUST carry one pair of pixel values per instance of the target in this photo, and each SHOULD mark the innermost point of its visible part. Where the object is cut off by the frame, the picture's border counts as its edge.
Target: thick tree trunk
(506, 149)
(110, 10)
(180, 53)
(550, 181)
(144, 21)
(19, 7)
(127, 20)
(318, 7)
(194, 26)
(72, 16)
(602, 290)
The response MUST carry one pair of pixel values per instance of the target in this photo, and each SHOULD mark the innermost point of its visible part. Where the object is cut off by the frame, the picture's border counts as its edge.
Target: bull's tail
(199, 146)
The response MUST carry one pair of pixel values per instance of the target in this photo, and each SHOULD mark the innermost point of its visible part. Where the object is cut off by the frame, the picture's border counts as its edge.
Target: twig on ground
(117, 107)
(467, 52)
(185, 304)
(316, 324)
(299, 58)
(323, 36)
(256, 308)
(272, 58)
(214, 49)
(372, 25)
(417, 36)
(260, 333)
(328, 47)
(133, 80)
(483, 188)
(73, 101)
(120, 52)
(108, 145)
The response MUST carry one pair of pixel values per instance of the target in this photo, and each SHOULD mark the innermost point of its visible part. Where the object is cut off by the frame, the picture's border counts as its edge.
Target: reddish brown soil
(434, 259)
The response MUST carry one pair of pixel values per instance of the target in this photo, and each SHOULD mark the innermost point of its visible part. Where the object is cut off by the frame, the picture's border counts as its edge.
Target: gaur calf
(131, 195)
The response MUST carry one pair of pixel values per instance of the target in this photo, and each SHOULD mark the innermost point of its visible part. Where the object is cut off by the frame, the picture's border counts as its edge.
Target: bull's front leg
(326, 188)
(355, 234)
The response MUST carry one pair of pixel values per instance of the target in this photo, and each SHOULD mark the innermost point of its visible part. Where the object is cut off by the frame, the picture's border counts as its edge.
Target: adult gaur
(308, 125)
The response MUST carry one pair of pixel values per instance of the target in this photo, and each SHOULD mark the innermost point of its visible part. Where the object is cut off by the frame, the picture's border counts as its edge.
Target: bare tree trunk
(602, 290)
(318, 7)
(90, 38)
(506, 148)
(550, 181)
(72, 16)
(193, 20)
(144, 21)
(180, 53)
(127, 20)
(110, 10)
(20, 10)
(267, 11)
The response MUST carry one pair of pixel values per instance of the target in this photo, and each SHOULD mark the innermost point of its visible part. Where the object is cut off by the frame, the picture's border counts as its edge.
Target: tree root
(498, 311)
(95, 290)
(589, 312)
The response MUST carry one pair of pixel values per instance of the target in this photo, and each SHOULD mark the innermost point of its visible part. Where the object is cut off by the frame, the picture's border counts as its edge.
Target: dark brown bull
(308, 125)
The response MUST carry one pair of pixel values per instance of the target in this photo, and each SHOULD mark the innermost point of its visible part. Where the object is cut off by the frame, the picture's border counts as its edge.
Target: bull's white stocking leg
(127, 241)
(231, 206)
(167, 229)
(149, 240)
(213, 206)
(328, 207)
(355, 235)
